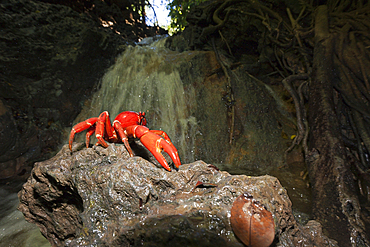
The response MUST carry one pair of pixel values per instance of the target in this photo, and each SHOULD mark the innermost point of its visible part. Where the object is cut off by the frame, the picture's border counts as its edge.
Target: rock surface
(103, 197)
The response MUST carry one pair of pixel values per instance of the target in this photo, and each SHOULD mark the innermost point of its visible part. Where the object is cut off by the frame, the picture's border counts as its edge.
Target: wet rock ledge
(103, 197)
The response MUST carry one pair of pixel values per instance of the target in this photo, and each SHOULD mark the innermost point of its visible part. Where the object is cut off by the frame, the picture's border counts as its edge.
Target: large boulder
(104, 197)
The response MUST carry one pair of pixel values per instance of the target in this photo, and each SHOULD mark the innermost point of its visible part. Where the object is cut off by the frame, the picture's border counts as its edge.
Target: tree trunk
(335, 203)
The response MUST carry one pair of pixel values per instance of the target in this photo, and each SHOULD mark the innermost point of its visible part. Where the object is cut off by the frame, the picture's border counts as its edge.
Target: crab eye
(142, 118)
(143, 121)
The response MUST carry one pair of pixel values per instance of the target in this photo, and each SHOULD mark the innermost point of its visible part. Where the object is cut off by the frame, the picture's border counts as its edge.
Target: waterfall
(145, 78)
(183, 94)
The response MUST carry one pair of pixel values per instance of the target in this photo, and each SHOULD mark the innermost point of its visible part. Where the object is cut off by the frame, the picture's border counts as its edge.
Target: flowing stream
(15, 231)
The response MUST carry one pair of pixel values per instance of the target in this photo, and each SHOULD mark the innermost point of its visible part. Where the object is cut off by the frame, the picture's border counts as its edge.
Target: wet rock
(103, 197)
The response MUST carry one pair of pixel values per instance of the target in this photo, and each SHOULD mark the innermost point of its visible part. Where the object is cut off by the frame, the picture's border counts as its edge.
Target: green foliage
(178, 12)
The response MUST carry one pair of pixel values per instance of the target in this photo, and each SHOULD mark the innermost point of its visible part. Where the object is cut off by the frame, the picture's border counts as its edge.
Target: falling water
(164, 84)
(144, 78)
(14, 230)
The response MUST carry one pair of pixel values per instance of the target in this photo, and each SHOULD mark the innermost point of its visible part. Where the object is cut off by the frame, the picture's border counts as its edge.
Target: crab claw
(155, 144)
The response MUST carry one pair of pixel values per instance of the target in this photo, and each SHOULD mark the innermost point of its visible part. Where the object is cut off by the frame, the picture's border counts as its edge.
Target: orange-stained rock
(252, 223)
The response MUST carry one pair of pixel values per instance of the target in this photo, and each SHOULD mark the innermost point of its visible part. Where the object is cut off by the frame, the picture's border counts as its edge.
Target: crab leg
(118, 127)
(89, 132)
(155, 144)
(103, 126)
(87, 124)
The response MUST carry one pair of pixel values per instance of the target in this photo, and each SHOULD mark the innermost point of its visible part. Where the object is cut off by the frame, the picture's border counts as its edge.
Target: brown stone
(104, 197)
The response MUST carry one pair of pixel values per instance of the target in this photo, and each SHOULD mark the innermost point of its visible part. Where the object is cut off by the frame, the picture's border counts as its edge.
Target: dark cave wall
(51, 59)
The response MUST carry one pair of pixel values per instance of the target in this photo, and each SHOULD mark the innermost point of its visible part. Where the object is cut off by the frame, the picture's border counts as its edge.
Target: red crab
(127, 124)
